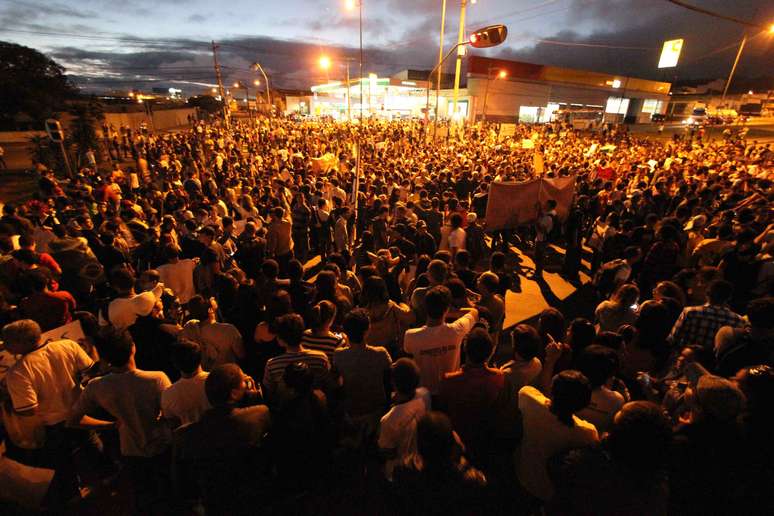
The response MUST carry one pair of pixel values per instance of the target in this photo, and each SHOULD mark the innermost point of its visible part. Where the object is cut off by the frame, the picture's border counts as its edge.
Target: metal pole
(349, 104)
(268, 88)
(360, 5)
(430, 78)
(458, 69)
(440, 58)
(486, 91)
(733, 68)
(66, 160)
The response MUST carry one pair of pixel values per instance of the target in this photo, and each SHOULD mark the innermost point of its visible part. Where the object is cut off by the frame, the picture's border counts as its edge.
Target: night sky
(145, 43)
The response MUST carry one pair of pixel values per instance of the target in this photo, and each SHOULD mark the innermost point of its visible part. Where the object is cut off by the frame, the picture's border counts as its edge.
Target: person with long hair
(319, 336)
(620, 309)
(389, 319)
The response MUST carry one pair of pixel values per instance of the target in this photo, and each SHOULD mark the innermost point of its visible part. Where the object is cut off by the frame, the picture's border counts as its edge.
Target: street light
(736, 60)
(257, 66)
(240, 84)
(489, 36)
(502, 74)
(325, 64)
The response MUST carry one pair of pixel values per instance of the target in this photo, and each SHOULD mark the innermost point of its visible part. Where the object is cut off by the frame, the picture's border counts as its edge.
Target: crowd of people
(296, 316)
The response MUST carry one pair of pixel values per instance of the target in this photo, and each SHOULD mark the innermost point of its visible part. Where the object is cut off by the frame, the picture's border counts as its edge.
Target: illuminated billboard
(670, 53)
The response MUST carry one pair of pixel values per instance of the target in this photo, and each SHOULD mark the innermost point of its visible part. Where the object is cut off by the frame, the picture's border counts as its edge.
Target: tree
(31, 84)
(82, 128)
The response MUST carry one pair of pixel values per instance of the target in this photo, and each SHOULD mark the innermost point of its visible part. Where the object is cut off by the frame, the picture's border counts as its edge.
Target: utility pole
(219, 78)
(733, 68)
(460, 53)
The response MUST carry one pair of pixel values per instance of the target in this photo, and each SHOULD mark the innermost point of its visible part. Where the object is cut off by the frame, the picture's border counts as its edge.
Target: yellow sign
(670, 53)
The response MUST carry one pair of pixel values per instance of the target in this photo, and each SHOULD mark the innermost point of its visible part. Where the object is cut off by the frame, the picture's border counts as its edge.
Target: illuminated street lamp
(257, 66)
(502, 74)
(325, 64)
(736, 60)
(240, 84)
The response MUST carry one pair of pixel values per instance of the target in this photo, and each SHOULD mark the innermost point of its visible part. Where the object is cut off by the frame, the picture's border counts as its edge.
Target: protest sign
(513, 203)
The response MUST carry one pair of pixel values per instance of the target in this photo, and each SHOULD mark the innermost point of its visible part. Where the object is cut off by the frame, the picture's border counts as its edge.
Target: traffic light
(489, 36)
(54, 130)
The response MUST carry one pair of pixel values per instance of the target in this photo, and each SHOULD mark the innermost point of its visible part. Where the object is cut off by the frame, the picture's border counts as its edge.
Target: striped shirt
(327, 344)
(275, 368)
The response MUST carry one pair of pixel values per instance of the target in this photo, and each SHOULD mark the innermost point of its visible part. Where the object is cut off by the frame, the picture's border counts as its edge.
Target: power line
(714, 14)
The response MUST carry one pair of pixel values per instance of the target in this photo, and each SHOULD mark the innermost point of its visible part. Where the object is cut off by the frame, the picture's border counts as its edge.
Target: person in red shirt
(605, 172)
(26, 241)
(49, 309)
(474, 397)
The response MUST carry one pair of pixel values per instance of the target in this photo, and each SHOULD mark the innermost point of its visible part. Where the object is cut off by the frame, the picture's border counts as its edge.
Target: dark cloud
(413, 43)
(709, 46)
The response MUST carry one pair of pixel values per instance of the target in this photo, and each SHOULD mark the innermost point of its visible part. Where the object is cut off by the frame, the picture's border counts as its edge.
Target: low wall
(162, 119)
(19, 136)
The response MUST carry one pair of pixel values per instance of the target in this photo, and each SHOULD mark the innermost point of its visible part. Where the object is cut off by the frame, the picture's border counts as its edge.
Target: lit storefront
(383, 97)
(510, 91)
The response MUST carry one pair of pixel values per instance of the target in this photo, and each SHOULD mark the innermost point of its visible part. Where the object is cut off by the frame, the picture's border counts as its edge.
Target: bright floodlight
(257, 82)
(350, 4)
(771, 28)
(325, 62)
(236, 85)
(616, 84)
(503, 74)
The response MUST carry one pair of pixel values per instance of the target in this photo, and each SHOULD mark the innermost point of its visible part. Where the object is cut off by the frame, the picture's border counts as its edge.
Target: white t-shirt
(544, 437)
(46, 380)
(134, 399)
(398, 428)
(457, 239)
(124, 311)
(221, 343)
(436, 349)
(179, 278)
(185, 400)
(605, 403)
